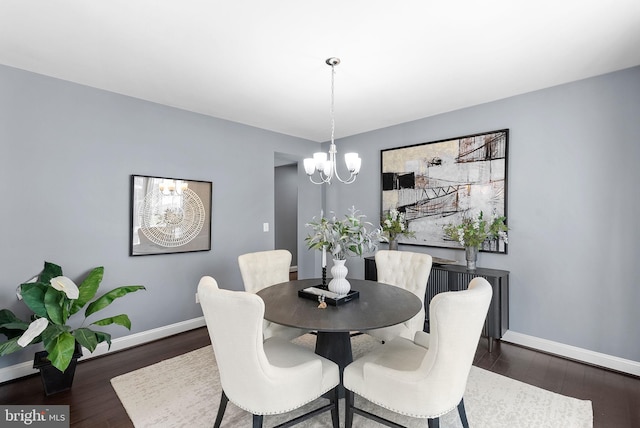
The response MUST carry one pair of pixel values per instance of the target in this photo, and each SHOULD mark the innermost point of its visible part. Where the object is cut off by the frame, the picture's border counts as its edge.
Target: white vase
(339, 283)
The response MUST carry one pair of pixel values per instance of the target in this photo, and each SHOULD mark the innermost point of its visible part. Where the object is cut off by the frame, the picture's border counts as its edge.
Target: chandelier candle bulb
(309, 166)
(353, 162)
(326, 170)
(321, 160)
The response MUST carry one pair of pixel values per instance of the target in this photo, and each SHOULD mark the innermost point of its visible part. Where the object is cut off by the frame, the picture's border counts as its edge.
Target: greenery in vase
(54, 298)
(350, 236)
(394, 225)
(473, 231)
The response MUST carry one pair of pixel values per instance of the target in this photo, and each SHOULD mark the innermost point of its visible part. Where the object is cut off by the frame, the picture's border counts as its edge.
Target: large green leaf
(121, 319)
(7, 316)
(105, 300)
(87, 338)
(61, 350)
(33, 297)
(51, 270)
(52, 331)
(10, 346)
(10, 325)
(54, 301)
(19, 326)
(103, 337)
(87, 289)
(65, 304)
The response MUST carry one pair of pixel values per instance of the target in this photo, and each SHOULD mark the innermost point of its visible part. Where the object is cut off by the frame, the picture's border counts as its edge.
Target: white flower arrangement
(350, 236)
(394, 224)
(473, 231)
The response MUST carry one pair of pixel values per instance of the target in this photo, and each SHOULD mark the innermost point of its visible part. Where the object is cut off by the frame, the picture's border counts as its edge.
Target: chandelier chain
(333, 122)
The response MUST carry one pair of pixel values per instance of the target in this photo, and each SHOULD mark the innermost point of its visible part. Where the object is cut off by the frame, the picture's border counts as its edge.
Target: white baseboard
(118, 344)
(574, 353)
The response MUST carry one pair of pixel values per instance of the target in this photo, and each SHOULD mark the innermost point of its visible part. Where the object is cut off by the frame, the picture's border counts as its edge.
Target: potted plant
(349, 236)
(393, 226)
(54, 298)
(473, 232)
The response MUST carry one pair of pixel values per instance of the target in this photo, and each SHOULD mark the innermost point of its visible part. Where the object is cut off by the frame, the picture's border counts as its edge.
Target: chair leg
(257, 421)
(348, 408)
(335, 409)
(223, 406)
(463, 414)
(433, 423)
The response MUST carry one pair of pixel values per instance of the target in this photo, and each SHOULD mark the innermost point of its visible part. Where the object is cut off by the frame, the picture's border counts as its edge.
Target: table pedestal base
(335, 346)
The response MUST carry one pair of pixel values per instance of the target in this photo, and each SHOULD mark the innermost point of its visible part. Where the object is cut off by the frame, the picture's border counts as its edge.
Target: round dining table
(378, 305)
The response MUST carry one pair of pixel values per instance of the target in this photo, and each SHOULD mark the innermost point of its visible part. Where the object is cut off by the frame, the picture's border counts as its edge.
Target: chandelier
(325, 165)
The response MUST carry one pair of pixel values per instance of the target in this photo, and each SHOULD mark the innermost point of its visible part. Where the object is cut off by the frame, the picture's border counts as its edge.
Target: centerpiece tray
(330, 298)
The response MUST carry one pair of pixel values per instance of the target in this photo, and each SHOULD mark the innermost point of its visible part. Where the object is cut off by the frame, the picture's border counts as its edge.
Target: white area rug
(185, 392)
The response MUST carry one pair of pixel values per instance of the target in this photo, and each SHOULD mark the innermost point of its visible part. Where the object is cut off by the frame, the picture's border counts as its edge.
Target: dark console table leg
(335, 346)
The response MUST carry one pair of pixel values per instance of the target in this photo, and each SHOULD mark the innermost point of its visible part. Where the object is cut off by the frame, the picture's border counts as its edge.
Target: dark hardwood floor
(93, 402)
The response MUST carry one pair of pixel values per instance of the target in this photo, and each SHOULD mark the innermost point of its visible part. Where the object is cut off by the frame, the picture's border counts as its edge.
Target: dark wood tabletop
(379, 305)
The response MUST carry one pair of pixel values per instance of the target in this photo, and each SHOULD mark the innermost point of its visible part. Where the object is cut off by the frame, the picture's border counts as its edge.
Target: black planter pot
(54, 380)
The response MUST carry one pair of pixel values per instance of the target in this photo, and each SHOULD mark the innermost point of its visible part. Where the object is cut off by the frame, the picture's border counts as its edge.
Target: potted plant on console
(54, 298)
(394, 225)
(349, 236)
(472, 232)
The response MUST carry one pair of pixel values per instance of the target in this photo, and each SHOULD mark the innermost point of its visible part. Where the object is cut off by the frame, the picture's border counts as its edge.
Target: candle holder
(324, 276)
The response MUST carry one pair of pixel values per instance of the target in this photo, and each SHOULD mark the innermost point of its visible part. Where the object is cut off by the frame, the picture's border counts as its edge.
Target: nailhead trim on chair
(284, 411)
(402, 413)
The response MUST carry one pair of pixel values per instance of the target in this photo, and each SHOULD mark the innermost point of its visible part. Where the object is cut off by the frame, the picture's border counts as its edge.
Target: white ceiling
(262, 63)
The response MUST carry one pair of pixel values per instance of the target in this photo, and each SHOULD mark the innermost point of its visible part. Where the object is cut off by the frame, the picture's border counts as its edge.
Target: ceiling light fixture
(326, 167)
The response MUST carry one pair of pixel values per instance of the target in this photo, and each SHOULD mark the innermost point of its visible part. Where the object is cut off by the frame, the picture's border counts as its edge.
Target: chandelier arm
(334, 167)
(319, 182)
(350, 180)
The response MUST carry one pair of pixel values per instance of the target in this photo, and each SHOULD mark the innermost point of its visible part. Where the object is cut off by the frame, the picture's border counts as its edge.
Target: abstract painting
(441, 182)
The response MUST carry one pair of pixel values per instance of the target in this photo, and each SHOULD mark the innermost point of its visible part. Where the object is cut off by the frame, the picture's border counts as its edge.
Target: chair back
(234, 322)
(426, 377)
(456, 321)
(263, 378)
(264, 268)
(408, 270)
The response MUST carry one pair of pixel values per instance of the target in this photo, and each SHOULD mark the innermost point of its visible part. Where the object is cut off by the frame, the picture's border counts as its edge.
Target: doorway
(286, 206)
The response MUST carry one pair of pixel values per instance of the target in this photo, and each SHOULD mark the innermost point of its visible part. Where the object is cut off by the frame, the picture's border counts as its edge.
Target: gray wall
(68, 151)
(67, 155)
(573, 206)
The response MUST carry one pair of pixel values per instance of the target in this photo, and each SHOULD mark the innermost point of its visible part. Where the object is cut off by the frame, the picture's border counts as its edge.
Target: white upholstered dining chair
(408, 270)
(425, 377)
(262, 377)
(262, 269)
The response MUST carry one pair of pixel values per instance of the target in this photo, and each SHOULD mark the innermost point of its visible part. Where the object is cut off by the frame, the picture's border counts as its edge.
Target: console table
(448, 277)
